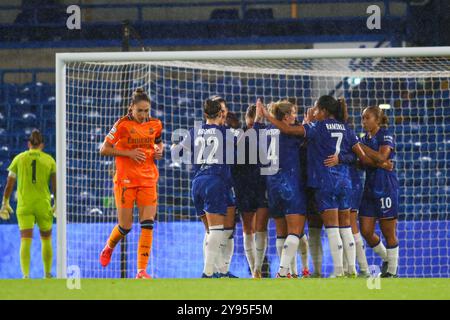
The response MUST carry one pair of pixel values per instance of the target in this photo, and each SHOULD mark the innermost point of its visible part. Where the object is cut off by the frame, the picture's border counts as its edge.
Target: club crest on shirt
(133, 131)
(151, 130)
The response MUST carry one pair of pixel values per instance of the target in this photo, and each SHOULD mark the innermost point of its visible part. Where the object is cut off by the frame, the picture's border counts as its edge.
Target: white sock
(205, 239)
(315, 246)
(303, 251)
(348, 242)
(212, 248)
(279, 245)
(336, 249)
(380, 250)
(287, 254)
(361, 253)
(261, 247)
(392, 256)
(250, 250)
(226, 252)
(293, 266)
(345, 263)
(229, 249)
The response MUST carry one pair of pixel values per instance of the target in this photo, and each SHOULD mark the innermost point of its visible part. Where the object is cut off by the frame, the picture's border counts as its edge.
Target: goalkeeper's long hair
(36, 138)
(138, 95)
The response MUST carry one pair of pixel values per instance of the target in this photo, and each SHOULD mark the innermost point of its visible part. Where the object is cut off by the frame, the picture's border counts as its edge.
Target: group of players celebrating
(317, 181)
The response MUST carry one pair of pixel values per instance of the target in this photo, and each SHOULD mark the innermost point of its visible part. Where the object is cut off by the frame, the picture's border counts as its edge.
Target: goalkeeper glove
(6, 209)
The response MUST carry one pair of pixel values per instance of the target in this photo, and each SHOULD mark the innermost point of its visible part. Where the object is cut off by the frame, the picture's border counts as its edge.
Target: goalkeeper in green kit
(33, 170)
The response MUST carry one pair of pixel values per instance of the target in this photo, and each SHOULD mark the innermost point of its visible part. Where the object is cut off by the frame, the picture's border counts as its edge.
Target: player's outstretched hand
(331, 161)
(158, 152)
(309, 115)
(261, 109)
(137, 155)
(5, 210)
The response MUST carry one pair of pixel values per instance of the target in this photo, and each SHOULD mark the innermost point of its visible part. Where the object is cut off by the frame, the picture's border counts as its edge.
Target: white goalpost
(93, 90)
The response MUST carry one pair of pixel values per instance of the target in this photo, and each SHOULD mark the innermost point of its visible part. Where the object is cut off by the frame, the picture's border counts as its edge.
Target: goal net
(94, 91)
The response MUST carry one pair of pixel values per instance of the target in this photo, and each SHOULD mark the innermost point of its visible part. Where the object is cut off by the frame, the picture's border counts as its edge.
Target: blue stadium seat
(225, 14)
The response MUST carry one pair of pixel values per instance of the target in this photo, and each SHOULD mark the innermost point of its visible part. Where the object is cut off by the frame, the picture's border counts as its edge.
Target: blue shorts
(379, 207)
(210, 195)
(285, 195)
(332, 199)
(251, 193)
(356, 196)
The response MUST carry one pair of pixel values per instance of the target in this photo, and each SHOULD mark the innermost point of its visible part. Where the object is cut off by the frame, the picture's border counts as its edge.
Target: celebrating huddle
(299, 174)
(317, 181)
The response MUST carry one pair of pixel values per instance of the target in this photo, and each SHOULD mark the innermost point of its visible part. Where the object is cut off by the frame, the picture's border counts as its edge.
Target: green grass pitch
(223, 289)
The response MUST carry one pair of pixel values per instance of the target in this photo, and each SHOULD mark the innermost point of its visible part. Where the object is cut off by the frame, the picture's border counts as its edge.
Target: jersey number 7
(339, 137)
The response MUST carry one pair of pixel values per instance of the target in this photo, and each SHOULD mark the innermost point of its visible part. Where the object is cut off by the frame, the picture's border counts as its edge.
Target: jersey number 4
(339, 137)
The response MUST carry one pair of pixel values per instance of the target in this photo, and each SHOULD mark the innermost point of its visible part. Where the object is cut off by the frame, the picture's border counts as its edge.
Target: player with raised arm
(380, 196)
(313, 218)
(250, 189)
(329, 135)
(33, 170)
(287, 203)
(135, 142)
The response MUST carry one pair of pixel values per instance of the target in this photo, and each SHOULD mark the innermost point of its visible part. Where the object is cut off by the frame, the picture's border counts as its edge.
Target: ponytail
(343, 109)
(384, 120)
(36, 138)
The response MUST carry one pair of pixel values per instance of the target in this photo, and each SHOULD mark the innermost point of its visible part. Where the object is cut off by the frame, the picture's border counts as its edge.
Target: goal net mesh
(415, 91)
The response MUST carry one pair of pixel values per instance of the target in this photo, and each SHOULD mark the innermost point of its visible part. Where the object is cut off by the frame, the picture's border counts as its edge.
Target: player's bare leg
(248, 226)
(331, 221)
(125, 222)
(262, 220)
(359, 245)
(147, 216)
(348, 241)
(389, 229)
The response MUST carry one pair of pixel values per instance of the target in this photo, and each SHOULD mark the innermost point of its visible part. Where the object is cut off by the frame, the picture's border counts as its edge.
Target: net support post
(61, 223)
